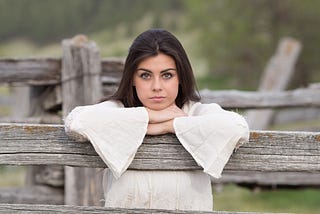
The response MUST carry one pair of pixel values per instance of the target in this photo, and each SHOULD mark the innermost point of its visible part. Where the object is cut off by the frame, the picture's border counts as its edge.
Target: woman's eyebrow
(168, 69)
(144, 69)
(165, 70)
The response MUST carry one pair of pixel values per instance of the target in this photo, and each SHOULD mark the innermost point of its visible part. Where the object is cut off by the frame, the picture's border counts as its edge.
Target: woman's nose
(156, 85)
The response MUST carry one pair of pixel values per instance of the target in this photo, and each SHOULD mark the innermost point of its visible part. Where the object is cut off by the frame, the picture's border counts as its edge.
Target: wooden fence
(80, 77)
(267, 151)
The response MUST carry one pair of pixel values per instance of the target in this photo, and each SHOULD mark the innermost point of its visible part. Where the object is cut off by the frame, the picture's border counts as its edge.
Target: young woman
(157, 95)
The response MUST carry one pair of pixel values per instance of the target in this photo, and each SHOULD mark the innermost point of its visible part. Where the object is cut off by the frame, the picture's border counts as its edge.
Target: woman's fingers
(166, 114)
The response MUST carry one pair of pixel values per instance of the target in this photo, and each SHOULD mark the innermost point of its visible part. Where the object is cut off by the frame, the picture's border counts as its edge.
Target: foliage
(45, 20)
(239, 36)
(231, 39)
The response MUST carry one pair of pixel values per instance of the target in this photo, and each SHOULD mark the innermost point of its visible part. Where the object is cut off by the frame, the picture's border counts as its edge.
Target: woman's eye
(167, 75)
(145, 76)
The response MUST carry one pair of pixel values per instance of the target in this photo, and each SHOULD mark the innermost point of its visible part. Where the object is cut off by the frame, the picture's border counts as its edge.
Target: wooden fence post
(275, 77)
(81, 85)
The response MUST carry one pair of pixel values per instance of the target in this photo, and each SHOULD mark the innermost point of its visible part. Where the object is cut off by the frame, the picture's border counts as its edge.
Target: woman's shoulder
(95, 107)
(111, 104)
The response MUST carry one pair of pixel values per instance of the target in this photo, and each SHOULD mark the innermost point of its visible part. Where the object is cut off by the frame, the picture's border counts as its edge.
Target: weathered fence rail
(47, 71)
(268, 151)
(304, 97)
(51, 209)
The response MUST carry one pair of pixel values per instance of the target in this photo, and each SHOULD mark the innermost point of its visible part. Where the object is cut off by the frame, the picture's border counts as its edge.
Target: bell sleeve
(210, 134)
(115, 132)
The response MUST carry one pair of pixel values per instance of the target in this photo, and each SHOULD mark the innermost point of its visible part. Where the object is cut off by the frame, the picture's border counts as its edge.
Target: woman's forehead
(158, 62)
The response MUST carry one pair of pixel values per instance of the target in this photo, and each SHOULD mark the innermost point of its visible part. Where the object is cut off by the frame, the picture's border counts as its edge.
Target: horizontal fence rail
(308, 97)
(22, 144)
(47, 71)
(25, 208)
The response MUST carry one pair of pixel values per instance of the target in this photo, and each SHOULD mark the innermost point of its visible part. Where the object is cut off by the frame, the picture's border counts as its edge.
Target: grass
(298, 125)
(234, 198)
(11, 176)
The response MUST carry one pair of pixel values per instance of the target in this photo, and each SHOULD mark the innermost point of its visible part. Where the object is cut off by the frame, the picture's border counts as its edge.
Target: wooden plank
(31, 195)
(47, 71)
(45, 119)
(270, 151)
(31, 70)
(81, 85)
(230, 99)
(304, 97)
(25, 208)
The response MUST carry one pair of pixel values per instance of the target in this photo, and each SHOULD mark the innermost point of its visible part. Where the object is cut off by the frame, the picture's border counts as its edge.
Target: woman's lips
(157, 98)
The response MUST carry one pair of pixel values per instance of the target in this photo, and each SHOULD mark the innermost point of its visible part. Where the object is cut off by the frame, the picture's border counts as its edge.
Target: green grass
(4, 110)
(298, 125)
(4, 90)
(11, 176)
(234, 198)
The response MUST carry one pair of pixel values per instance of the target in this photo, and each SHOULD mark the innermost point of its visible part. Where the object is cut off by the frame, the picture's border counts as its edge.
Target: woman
(157, 95)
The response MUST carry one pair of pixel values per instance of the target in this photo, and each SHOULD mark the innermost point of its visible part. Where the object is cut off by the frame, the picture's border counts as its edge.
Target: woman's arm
(160, 128)
(210, 135)
(115, 132)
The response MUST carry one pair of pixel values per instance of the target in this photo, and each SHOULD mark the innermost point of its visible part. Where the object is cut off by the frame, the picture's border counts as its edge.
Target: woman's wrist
(160, 128)
(157, 116)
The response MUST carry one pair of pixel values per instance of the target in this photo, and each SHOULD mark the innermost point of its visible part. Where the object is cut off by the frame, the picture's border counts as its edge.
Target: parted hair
(151, 43)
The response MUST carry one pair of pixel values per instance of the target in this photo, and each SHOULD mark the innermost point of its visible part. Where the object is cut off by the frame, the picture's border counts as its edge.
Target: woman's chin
(156, 107)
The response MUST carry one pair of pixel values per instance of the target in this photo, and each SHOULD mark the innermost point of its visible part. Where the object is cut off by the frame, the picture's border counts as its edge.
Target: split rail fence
(81, 77)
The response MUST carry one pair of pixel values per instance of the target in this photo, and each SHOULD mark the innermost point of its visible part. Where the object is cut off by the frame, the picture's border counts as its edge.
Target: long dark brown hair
(151, 43)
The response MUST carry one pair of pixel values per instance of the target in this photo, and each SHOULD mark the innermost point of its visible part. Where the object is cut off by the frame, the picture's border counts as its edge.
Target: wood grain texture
(24, 208)
(304, 97)
(270, 151)
(35, 71)
(47, 71)
(81, 85)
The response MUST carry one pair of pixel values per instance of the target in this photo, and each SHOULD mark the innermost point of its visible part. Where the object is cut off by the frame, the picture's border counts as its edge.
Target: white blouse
(208, 133)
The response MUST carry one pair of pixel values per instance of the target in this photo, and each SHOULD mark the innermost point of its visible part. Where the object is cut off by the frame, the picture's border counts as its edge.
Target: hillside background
(229, 42)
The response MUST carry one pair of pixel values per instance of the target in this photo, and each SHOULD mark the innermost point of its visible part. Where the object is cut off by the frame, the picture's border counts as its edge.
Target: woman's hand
(166, 114)
(160, 128)
(161, 122)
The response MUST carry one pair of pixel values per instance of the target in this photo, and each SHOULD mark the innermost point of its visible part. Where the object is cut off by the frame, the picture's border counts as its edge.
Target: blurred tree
(45, 20)
(238, 37)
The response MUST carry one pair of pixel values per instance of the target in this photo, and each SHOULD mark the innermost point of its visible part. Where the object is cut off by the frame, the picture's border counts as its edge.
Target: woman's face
(156, 81)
